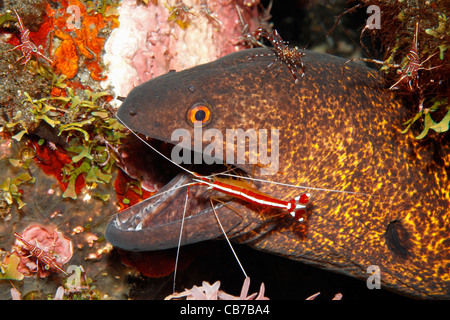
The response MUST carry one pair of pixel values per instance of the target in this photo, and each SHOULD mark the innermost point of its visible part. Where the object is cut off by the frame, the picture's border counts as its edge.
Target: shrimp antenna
(293, 186)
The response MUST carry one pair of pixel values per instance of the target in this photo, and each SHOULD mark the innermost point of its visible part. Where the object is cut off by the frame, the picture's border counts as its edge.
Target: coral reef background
(153, 39)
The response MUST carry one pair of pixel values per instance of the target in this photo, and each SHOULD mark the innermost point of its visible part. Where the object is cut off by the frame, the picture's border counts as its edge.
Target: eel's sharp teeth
(118, 222)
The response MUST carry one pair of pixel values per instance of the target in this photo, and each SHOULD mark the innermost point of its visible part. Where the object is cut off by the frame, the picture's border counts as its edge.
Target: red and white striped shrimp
(244, 191)
(47, 258)
(409, 74)
(27, 47)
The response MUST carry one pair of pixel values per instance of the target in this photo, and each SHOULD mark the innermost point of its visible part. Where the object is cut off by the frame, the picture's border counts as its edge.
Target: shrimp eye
(199, 113)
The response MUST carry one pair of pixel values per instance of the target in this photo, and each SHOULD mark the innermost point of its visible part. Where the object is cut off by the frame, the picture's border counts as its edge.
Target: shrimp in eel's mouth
(154, 223)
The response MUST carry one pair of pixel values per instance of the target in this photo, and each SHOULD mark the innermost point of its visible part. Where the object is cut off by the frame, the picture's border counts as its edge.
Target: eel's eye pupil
(199, 113)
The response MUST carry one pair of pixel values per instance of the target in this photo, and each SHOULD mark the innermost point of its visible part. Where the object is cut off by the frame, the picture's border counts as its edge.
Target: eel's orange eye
(199, 113)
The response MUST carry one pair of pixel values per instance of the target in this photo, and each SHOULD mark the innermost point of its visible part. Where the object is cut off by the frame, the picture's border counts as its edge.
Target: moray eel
(339, 128)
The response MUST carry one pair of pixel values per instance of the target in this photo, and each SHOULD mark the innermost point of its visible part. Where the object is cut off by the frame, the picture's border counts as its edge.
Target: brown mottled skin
(338, 131)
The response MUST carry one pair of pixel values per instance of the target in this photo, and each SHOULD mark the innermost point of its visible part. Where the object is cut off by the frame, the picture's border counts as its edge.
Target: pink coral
(337, 296)
(212, 292)
(153, 39)
(48, 239)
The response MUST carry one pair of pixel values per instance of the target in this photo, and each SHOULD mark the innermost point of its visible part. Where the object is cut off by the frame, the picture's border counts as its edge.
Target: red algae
(52, 162)
(156, 264)
(128, 191)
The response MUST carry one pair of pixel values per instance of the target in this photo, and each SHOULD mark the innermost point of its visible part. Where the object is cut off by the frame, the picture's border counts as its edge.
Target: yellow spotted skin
(339, 129)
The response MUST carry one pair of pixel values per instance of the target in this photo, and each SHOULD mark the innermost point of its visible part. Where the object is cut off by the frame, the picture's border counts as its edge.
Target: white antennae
(153, 148)
(293, 186)
(179, 241)
(226, 237)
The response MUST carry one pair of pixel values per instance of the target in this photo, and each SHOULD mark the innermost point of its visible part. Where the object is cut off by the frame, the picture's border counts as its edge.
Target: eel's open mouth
(156, 222)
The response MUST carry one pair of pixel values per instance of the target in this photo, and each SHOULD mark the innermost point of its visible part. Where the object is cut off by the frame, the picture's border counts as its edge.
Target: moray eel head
(339, 129)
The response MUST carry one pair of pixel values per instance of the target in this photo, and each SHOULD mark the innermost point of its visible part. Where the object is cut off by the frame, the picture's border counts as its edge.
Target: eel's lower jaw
(140, 215)
(156, 223)
(162, 208)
